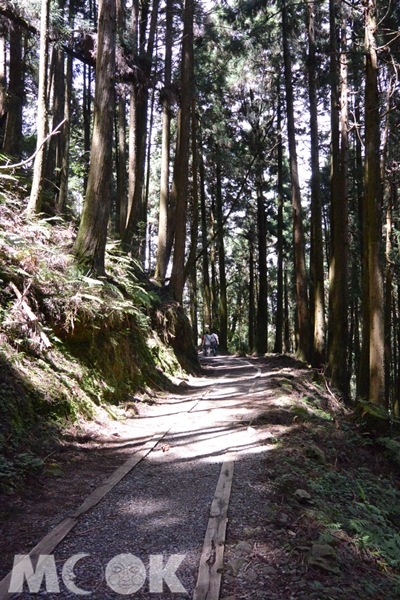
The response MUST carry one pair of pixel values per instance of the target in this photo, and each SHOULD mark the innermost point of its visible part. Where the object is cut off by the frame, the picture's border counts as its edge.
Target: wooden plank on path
(219, 506)
(211, 561)
(56, 535)
(45, 546)
(99, 493)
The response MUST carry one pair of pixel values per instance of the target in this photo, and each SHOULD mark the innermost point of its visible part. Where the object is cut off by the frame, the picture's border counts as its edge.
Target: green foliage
(14, 470)
(391, 448)
(370, 525)
(69, 342)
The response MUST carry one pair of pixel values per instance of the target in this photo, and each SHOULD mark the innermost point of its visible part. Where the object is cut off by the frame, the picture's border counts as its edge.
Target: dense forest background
(242, 153)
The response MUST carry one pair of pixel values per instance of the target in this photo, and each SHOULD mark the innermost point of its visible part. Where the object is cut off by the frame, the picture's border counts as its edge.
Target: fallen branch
(25, 162)
(31, 315)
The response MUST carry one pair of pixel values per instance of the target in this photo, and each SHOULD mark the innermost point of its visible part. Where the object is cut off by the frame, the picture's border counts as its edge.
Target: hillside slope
(70, 344)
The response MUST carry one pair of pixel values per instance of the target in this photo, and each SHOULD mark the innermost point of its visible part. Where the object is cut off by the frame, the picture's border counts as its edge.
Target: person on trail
(214, 343)
(206, 343)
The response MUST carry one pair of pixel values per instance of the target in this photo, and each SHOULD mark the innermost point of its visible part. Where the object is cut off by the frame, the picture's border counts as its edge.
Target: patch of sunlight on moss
(283, 401)
(163, 356)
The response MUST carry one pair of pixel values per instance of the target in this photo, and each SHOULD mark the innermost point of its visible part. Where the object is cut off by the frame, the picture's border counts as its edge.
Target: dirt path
(207, 426)
(274, 423)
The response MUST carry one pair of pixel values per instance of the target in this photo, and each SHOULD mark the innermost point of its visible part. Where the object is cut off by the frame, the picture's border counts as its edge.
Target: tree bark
(223, 304)
(90, 243)
(205, 267)
(3, 88)
(35, 200)
(286, 335)
(252, 306)
(190, 266)
(135, 232)
(121, 194)
(338, 264)
(15, 93)
(303, 313)
(388, 186)
(54, 156)
(63, 195)
(317, 251)
(279, 276)
(373, 209)
(262, 312)
(161, 266)
(181, 175)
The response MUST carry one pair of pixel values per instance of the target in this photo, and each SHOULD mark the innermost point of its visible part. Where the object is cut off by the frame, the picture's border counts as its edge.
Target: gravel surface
(144, 539)
(159, 511)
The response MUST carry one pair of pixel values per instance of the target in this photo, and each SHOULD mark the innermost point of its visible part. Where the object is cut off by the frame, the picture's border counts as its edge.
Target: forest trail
(199, 429)
(272, 422)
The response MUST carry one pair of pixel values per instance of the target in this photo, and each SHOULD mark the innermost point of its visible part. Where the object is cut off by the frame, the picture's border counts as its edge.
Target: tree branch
(25, 162)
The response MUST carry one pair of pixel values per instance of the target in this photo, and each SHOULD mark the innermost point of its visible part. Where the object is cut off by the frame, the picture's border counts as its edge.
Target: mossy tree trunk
(90, 243)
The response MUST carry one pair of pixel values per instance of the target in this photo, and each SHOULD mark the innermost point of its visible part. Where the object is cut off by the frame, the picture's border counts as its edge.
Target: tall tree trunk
(388, 300)
(205, 269)
(181, 175)
(279, 276)
(303, 313)
(286, 334)
(3, 88)
(87, 115)
(213, 260)
(15, 94)
(132, 150)
(121, 195)
(262, 320)
(63, 195)
(192, 285)
(35, 200)
(135, 233)
(54, 155)
(373, 216)
(223, 304)
(388, 202)
(338, 281)
(190, 266)
(252, 305)
(317, 251)
(161, 266)
(147, 225)
(90, 243)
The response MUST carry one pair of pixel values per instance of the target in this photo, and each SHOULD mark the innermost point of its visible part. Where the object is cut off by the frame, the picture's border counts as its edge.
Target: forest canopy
(243, 153)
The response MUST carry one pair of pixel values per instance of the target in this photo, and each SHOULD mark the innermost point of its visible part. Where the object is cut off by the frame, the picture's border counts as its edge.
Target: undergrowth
(339, 488)
(68, 342)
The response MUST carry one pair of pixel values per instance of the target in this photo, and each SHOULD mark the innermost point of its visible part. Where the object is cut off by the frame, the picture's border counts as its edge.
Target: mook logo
(125, 574)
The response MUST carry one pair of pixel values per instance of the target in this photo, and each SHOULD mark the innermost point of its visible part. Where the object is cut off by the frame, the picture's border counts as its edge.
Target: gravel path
(157, 515)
